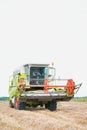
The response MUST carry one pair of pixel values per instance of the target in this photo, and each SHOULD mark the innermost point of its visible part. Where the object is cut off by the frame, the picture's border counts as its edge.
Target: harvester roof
(38, 65)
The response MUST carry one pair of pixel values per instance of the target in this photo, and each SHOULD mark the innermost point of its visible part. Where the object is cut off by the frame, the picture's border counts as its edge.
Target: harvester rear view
(35, 85)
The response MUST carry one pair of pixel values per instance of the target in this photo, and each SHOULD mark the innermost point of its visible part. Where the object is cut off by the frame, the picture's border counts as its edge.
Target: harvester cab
(35, 84)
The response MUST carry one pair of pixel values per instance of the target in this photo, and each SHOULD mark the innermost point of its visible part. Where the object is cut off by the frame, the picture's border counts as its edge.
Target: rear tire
(11, 104)
(52, 105)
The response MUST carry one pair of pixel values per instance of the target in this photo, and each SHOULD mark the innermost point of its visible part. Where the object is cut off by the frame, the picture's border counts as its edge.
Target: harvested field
(68, 116)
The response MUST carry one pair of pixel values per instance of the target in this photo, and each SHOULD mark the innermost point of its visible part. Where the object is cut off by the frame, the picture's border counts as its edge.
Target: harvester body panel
(35, 84)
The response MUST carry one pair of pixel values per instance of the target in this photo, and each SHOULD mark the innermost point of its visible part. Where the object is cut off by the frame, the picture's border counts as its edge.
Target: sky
(42, 31)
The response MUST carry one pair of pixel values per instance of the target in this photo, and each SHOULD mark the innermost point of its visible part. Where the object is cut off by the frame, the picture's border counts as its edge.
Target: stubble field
(68, 116)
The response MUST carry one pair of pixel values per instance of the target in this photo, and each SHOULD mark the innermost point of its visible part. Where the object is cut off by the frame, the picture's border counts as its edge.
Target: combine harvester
(35, 84)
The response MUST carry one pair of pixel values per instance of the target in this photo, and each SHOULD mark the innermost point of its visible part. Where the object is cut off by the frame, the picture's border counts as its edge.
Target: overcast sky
(42, 31)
